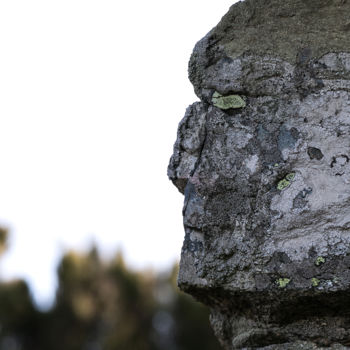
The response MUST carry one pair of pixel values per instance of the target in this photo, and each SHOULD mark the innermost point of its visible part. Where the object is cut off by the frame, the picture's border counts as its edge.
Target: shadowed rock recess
(263, 160)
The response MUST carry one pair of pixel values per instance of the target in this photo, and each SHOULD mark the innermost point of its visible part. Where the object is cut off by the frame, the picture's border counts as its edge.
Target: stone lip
(266, 182)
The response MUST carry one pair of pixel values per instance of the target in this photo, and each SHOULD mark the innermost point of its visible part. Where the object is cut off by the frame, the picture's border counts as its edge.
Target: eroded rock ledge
(264, 163)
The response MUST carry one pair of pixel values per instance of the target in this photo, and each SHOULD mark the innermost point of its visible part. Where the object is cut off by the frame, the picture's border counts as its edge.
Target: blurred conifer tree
(103, 305)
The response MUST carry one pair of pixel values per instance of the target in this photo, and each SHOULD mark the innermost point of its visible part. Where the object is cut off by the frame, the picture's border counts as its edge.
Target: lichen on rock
(227, 102)
(266, 180)
(282, 184)
(283, 282)
(315, 281)
(320, 260)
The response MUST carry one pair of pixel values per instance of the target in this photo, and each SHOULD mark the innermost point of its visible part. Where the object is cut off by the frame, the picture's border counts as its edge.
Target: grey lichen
(227, 102)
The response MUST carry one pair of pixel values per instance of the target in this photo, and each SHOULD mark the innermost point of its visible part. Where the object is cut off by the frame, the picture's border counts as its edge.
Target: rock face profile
(263, 160)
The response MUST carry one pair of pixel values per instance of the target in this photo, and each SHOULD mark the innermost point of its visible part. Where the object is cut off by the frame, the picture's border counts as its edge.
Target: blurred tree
(192, 328)
(18, 316)
(3, 239)
(103, 305)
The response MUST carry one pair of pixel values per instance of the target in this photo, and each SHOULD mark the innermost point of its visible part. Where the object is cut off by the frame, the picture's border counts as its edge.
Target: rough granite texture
(267, 182)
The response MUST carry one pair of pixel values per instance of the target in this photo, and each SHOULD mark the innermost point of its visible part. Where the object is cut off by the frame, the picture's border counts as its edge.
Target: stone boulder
(263, 160)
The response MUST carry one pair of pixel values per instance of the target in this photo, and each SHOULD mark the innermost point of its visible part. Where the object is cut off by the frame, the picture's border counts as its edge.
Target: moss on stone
(283, 282)
(276, 20)
(227, 102)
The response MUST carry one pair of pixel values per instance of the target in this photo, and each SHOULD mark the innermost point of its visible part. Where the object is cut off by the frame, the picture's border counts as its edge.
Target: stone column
(263, 162)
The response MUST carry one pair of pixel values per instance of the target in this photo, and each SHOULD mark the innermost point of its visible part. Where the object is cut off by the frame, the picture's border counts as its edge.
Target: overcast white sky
(91, 92)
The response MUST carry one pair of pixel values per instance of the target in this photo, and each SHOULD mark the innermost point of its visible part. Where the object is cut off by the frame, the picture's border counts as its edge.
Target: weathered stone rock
(267, 182)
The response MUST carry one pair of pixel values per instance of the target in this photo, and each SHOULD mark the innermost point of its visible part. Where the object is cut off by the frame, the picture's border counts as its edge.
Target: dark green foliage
(104, 306)
(3, 239)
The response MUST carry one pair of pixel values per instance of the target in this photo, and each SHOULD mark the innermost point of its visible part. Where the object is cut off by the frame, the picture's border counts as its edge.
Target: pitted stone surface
(267, 185)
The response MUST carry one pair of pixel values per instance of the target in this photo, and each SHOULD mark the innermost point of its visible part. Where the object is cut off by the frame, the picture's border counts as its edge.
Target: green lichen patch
(290, 177)
(320, 260)
(282, 282)
(315, 281)
(227, 102)
(284, 183)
